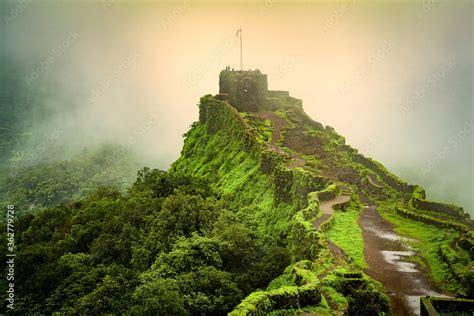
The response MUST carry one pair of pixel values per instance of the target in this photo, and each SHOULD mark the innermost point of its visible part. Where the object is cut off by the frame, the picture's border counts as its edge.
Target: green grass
(321, 309)
(263, 127)
(347, 235)
(235, 172)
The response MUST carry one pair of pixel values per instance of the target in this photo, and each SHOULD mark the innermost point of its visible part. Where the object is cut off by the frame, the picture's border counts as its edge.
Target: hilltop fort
(323, 199)
(247, 91)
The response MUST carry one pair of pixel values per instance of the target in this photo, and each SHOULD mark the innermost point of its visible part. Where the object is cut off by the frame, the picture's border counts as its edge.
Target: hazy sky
(394, 78)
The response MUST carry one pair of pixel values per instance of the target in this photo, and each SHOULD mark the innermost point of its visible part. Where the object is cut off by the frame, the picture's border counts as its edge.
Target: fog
(394, 78)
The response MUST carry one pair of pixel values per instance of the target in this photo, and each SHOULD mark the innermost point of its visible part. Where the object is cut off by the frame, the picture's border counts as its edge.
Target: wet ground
(387, 256)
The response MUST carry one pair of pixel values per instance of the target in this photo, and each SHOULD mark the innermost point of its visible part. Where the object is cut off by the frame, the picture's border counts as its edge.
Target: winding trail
(327, 208)
(386, 253)
(387, 259)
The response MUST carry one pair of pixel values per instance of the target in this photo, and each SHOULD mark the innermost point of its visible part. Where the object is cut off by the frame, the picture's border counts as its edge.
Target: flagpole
(241, 64)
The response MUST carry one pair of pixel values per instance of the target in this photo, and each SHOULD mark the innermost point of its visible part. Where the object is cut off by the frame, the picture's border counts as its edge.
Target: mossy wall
(304, 239)
(293, 185)
(270, 160)
(364, 295)
(329, 193)
(219, 116)
(429, 219)
(307, 292)
(273, 104)
(288, 297)
(460, 267)
(466, 242)
(383, 173)
(222, 148)
(451, 210)
(278, 94)
(434, 306)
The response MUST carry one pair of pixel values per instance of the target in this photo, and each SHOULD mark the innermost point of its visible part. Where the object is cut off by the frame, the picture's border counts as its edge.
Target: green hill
(260, 215)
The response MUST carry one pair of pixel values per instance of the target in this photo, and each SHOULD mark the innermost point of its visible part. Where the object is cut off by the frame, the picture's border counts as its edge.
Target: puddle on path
(396, 258)
(387, 256)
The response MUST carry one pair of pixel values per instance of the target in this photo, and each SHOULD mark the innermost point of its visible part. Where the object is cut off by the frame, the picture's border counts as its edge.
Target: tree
(158, 297)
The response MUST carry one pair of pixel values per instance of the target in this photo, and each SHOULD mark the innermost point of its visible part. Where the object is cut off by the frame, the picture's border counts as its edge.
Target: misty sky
(394, 78)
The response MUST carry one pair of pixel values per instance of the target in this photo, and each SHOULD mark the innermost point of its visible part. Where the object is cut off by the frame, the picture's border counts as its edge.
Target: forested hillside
(51, 182)
(38, 168)
(171, 246)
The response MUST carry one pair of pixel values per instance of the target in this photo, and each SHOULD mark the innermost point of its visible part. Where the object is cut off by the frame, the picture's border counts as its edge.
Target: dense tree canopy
(171, 246)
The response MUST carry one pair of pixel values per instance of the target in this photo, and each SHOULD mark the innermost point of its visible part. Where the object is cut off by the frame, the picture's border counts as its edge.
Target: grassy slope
(234, 172)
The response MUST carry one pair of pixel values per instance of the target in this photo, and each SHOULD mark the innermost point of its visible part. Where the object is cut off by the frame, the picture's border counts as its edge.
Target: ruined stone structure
(247, 91)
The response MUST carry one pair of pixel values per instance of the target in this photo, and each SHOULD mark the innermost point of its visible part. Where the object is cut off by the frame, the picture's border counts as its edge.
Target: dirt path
(386, 256)
(327, 208)
(279, 124)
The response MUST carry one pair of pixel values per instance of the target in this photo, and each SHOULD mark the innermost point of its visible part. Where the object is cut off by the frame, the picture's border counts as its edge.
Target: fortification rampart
(247, 91)
(383, 173)
(291, 185)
